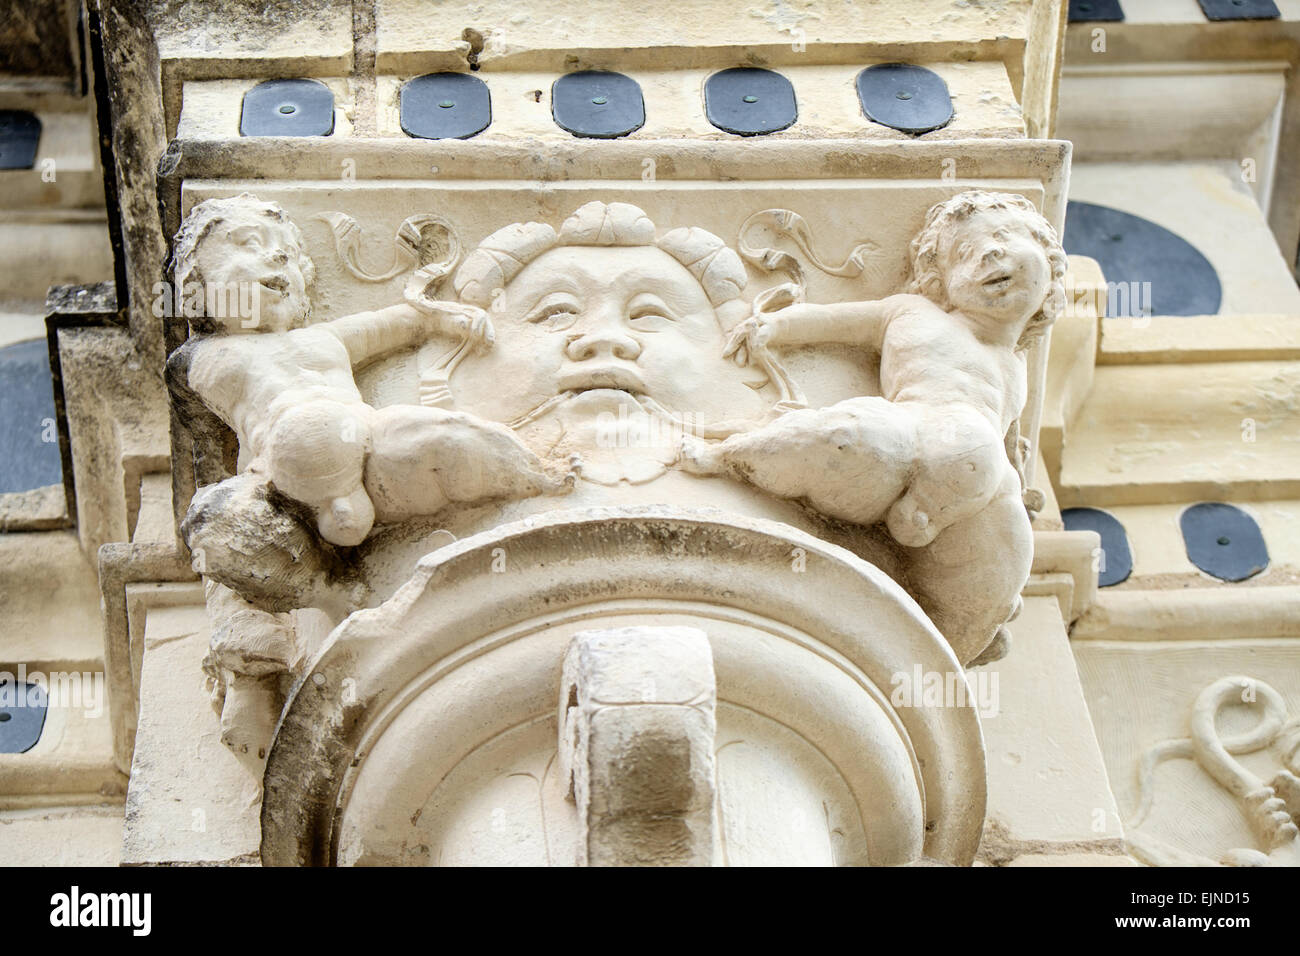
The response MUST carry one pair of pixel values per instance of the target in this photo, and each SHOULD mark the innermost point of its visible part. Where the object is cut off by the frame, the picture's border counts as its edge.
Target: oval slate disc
(1095, 11)
(1224, 541)
(445, 106)
(597, 104)
(20, 135)
(1116, 562)
(27, 459)
(904, 97)
(1240, 9)
(287, 108)
(1132, 251)
(22, 716)
(749, 102)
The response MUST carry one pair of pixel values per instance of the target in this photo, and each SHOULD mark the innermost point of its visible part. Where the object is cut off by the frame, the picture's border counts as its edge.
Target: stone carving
(608, 319)
(1272, 809)
(411, 246)
(604, 319)
(249, 653)
(637, 722)
(286, 388)
(812, 762)
(863, 258)
(933, 452)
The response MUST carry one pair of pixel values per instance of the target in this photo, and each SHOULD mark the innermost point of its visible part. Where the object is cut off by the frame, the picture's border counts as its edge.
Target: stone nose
(602, 340)
(993, 254)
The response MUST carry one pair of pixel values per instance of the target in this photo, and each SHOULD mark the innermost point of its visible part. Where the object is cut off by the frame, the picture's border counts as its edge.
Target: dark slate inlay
(1095, 11)
(288, 108)
(1132, 251)
(20, 135)
(445, 106)
(1116, 562)
(1224, 541)
(22, 715)
(598, 104)
(1240, 9)
(29, 445)
(904, 97)
(749, 102)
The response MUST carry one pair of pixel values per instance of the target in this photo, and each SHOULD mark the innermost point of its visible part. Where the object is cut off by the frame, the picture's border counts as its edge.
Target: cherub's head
(246, 258)
(991, 256)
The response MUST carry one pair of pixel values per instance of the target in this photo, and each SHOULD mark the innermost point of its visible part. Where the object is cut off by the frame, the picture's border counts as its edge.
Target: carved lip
(619, 378)
(277, 284)
(998, 280)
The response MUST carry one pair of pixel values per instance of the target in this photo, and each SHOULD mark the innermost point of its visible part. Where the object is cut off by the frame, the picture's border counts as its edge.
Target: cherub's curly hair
(927, 275)
(210, 213)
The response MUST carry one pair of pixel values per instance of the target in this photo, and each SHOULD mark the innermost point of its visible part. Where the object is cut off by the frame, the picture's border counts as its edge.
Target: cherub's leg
(960, 465)
(248, 651)
(424, 459)
(970, 577)
(347, 519)
(849, 461)
(316, 455)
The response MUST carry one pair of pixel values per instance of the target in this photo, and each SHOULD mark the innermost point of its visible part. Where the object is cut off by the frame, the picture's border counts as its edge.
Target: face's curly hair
(502, 256)
(211, 213)
(927, 274)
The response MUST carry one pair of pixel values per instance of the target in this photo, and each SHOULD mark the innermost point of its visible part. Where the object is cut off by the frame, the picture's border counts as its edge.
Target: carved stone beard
(618, 436)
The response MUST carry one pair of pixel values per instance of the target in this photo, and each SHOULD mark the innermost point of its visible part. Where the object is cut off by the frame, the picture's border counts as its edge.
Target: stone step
(66, 174)
(1156, 434)
(39, 254)
(1199, 338)
(50, 601)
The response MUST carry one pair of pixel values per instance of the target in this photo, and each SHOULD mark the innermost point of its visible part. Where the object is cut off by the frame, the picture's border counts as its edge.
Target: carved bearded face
(250, 259)
(995, 267)
(603, 326)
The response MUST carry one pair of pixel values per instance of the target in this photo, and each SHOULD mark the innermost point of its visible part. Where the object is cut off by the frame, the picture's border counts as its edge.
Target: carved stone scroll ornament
(1271, 809)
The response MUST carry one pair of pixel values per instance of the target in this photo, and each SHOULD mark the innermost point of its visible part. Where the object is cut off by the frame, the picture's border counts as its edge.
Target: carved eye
(555, 316)
(649, 315)
(247, 238)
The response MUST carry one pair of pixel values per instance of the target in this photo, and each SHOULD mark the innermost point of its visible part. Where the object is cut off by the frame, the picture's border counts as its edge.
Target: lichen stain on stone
(246, 24)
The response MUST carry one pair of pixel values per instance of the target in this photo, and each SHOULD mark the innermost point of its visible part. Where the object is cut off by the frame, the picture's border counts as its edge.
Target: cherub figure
(941, 442)
(287, 389)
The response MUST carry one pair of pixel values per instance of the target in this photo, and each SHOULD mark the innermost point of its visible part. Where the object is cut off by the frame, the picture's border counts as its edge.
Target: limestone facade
(667, 465)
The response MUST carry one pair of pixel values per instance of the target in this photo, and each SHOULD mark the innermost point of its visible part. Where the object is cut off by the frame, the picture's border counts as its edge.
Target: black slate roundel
(1149, 270)
(904, 97)
(445, 106)
(749, 102)
(598, 104)
(1116, 560)
(287, 108)
(1223, 541)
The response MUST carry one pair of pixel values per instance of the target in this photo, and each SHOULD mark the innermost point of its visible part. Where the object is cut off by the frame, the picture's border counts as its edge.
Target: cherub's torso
(934, 357)
(249, 380)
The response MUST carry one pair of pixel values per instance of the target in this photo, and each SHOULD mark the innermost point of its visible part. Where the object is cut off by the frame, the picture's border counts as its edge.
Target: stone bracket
(637, 722)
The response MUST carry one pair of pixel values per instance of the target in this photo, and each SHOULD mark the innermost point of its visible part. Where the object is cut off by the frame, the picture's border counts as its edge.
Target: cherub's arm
(368, 335)
(860, 324)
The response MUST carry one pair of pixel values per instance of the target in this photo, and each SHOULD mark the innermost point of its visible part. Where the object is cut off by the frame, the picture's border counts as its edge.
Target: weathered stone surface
(637, 723)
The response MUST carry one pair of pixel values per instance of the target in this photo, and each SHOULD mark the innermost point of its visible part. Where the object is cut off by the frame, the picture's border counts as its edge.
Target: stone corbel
(637, 724)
